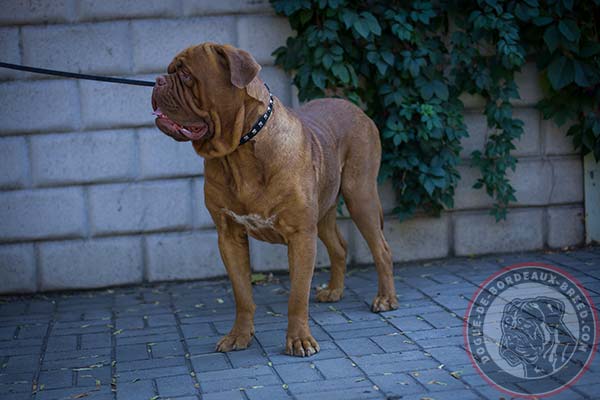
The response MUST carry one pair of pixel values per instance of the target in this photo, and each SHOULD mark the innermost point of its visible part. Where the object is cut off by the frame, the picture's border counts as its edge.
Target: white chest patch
(252, 222)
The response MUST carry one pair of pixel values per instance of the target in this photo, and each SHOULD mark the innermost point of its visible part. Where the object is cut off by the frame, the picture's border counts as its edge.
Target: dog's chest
(257, 226)
(253, 222)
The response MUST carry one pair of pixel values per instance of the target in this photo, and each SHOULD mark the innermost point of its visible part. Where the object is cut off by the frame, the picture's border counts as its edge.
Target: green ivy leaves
(561, 72)
(365, 24)
(406, 63)
(362, 24)
(552, 37)
(390, 60)
(569, 57)
(569, 30)
(430, 88)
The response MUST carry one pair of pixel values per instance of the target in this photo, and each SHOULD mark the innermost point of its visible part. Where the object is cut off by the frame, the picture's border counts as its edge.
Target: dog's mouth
(195, 131)
(178, 131)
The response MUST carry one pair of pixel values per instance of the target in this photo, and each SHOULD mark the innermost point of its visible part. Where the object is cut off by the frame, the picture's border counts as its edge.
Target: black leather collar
(262, 121)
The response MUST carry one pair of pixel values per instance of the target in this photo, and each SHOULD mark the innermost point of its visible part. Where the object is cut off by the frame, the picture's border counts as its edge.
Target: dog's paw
(301, 347)
(384, 303)
(327, 295)
(233, 341)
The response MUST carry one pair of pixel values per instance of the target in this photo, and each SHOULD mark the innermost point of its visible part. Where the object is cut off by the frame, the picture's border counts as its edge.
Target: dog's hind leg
(359, 188)
(365, 211)
(331, 237)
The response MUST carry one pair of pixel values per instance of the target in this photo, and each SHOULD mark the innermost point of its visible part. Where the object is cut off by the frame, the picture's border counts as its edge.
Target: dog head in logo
(535, 336)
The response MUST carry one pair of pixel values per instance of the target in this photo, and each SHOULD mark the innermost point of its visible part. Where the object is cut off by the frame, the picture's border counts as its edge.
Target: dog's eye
(186, 76)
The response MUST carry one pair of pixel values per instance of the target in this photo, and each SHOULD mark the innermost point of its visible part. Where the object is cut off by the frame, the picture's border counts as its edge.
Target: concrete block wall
(93, 195)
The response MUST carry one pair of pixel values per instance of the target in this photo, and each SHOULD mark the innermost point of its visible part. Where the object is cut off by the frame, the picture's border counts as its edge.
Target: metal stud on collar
(262, 121)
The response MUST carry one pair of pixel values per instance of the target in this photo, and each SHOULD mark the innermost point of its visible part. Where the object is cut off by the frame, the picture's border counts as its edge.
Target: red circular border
(592, 307)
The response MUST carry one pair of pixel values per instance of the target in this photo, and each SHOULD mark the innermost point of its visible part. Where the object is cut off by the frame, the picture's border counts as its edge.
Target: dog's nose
(161, 81)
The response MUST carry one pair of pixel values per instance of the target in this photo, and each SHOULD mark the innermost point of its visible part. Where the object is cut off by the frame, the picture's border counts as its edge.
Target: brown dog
(282, 186)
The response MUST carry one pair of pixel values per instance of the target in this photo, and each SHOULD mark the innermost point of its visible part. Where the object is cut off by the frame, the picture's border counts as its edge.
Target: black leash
(253, 132)
(75, 75)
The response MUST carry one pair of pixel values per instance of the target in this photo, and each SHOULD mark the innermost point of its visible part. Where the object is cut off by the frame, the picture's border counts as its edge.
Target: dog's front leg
(233, 245)
(302, 250)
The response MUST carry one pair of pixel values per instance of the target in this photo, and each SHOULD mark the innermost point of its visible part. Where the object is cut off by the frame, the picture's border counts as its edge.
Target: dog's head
(534, 334)
(206, 95)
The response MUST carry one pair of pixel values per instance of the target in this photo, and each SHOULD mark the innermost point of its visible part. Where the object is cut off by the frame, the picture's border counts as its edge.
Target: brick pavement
(156, 342)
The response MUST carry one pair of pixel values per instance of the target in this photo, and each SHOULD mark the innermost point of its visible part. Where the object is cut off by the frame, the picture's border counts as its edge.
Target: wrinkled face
(203, 95)
(522, 335)
(532, 329)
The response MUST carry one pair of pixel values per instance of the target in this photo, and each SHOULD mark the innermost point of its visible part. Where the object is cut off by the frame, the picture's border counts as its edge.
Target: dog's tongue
(195, 132)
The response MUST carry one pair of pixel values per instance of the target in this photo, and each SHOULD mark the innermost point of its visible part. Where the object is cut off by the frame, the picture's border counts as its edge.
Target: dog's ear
(243, 68)
(552, 308)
